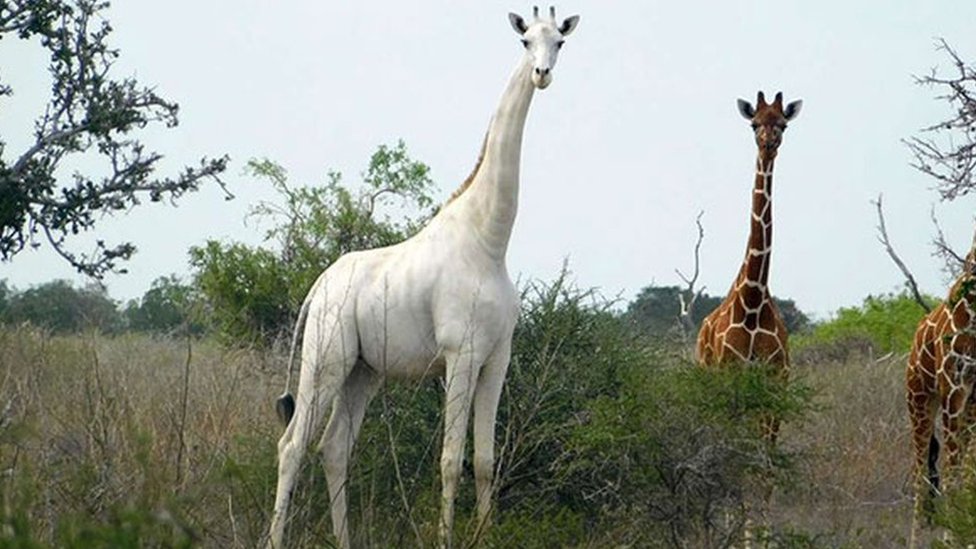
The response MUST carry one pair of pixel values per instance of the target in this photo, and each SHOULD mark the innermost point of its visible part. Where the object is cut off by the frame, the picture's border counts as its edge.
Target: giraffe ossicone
(438, 303)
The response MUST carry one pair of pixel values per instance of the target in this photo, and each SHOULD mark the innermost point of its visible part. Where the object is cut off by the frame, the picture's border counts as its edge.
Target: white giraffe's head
(542, 40)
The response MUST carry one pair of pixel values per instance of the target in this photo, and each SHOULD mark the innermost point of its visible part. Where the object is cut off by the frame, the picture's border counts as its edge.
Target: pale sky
(636, 134)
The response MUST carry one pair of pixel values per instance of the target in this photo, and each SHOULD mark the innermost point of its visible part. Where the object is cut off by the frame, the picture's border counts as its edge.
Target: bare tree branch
(886, 242)
(951, 159)
(952, 262)
(689, 295)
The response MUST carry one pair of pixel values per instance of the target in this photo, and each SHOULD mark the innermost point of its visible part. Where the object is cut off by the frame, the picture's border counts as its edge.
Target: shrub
(883, 324)
(956, 511)
(679, 455)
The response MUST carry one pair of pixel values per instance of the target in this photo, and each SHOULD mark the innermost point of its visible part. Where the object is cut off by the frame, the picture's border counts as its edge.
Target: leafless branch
(886, 242)
(689, 295)
(950, 160)
(952, 262)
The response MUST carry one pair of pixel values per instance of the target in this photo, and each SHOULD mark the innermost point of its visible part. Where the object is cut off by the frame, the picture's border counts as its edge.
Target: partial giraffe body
(747, 326)
(939, 384)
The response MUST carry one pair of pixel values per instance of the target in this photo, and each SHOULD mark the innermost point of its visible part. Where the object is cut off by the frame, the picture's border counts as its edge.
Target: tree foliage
(680, 451)
(165, 308)
(886, 323)
(60, 307)
(655, 309)
(90, 115)
(253, 292)
(247, 291)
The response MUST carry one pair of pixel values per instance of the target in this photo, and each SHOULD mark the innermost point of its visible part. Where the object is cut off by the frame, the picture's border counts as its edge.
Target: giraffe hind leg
(923, 407)
(933, 471)
(328, 357)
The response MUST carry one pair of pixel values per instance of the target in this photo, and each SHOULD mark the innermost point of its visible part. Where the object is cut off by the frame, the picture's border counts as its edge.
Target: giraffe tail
(933, 465)
(285, 405)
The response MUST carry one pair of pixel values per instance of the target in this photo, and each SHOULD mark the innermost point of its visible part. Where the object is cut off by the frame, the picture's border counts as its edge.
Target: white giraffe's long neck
(491, 202)
(755, 267)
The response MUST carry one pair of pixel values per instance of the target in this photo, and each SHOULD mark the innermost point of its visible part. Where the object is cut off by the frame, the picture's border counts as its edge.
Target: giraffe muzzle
(542, 77)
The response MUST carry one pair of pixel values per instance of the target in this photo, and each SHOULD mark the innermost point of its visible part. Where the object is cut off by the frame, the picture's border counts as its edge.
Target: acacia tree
(90, 114)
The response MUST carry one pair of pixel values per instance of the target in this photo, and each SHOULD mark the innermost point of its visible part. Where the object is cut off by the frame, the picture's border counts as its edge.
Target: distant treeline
(170, 305)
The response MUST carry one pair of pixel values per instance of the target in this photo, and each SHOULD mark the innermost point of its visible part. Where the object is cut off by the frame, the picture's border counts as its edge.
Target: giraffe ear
(568, 25)
(745, 109)
(517, 23)
(792, 109)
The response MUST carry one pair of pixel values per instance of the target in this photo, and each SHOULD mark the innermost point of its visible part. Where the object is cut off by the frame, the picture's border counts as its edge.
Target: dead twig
(886, 242)
(952, 262)
(688, 297)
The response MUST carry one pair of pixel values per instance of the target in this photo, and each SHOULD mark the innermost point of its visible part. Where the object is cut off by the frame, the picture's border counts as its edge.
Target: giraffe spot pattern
(939, 380)
(747, 327)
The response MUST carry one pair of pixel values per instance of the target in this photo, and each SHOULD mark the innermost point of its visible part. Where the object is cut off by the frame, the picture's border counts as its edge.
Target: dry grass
(97, 429)
(94, 429)
(855, 489)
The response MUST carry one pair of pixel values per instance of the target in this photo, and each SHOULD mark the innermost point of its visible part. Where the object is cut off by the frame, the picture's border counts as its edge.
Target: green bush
(681, 450)
(956, 510)
(883, 324)
(168, 307)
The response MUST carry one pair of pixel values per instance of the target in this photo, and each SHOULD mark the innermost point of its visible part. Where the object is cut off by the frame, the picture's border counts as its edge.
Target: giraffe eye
(525, 43)
(559, 45)
(755, 126)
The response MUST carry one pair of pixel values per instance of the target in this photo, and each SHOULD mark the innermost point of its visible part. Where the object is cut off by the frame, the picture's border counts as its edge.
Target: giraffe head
(542, 40)
(769, 121)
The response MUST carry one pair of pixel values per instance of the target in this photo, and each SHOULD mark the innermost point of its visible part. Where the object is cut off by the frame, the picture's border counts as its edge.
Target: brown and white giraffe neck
(753, 277)
(489, 203)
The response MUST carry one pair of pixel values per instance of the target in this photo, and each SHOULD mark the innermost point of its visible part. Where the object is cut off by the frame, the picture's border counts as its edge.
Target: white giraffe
(439, 303)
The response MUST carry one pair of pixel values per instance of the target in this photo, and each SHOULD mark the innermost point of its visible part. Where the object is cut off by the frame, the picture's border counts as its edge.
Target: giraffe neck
(490, 202)
(754, 275)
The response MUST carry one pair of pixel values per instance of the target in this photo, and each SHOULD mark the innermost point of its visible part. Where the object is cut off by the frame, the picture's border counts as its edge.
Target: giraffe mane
(467, 182)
